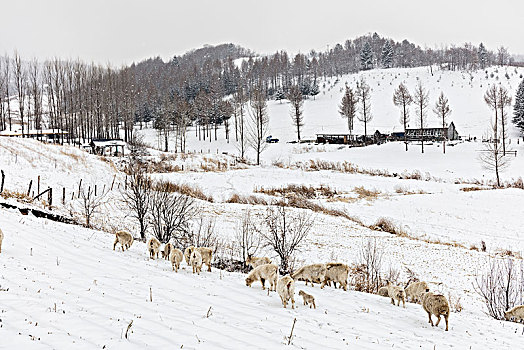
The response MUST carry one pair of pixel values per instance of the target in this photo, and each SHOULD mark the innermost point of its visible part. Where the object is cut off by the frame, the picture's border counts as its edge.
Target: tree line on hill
(206, 87)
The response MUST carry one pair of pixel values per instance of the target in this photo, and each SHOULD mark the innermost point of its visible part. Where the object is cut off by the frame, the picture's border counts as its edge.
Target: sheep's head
(507, 316)
(249, 281)
(301, 293)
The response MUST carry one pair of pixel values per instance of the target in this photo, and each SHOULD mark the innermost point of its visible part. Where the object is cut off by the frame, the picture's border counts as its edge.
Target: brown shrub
(386, 225)
(185, 189)
(366, 194)
(472, 189)
(299, 190)
(21, 196)
(241, 199)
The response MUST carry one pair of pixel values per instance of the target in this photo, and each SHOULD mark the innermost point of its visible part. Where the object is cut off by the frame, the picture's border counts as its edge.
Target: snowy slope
(98, 291)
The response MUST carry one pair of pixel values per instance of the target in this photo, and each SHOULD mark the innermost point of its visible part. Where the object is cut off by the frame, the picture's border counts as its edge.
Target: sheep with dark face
(153, 247)
(435, 304)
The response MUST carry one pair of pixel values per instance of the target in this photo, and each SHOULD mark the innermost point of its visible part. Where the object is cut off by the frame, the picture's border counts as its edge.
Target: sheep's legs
(114, 244)
(438, 320)
(446, 319)
(263, 281)
(430, 320)
(392, 301)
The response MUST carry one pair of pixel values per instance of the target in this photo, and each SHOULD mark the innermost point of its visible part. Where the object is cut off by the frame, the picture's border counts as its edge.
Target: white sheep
(516, 313)
(308, 299)
(311, 273)
(383, 292)
(262, 273)
(396, 293)
(176, 258)
(166, 253)
(336, 272)
(205, 252)
(254, 261)
(286, 290)
(124, 238)
(153, 247)
(196, 261)
(415, 290)
(435, 304)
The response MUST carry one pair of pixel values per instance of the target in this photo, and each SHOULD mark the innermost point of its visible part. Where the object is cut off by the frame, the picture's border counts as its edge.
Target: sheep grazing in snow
(153, 247)
(396, 293)
(308, 299)
(383, 292)
(311, 273)
(124, 238)
(336, 272)
(286, 290)
(196, 261)
(435, 304)
(176, 258)
(262, 273)
(516, 313)
(206, 253)
(166, 253)
(1, 239)
(254, 261)
(415, 290)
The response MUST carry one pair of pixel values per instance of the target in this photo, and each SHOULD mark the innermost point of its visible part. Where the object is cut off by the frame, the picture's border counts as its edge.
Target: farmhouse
(50, 135)
(433, 133)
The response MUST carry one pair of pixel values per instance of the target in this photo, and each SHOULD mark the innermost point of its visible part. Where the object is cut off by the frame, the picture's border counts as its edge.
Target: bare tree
(442, 110)
(171, 214)
(500, 286)
(36, 93)
(295, 97)
(370, 258)
(492, 156)
(137, 195)
(7, 78)
(21, 87)
(504, 100)
(205, 234)
(364, 96)
(90, 203)
(421, 99)
(240, 99)
(247, 236)
(503, 56)
(402, 98)
(492, 100)
(259, 122)
(348, 107)
(285, 233)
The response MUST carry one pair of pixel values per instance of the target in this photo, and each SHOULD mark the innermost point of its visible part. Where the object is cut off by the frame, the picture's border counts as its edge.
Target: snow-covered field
(74, 291)
(98, 292)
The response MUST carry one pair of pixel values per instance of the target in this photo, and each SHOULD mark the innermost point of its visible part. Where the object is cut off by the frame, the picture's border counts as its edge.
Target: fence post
(63, 195)
(29, 189)
(2, 185)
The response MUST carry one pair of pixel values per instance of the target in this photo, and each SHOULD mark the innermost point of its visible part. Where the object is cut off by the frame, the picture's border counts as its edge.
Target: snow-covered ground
(98, 292)
(63, 286)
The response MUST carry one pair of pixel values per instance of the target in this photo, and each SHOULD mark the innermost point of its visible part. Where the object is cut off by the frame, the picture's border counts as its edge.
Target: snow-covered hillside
(64, 287)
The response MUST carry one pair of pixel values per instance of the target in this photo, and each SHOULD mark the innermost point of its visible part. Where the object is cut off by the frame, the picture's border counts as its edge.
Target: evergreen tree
(518, 108)
(314, 91)
(387, 55)
(483, 56)
(366, 57)
(280, 95)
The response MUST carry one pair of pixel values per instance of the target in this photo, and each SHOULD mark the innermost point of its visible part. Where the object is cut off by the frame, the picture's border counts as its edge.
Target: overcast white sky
(122, 31)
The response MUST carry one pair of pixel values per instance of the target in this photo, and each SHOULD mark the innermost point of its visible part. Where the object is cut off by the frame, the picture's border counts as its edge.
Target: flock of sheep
(324, 274)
